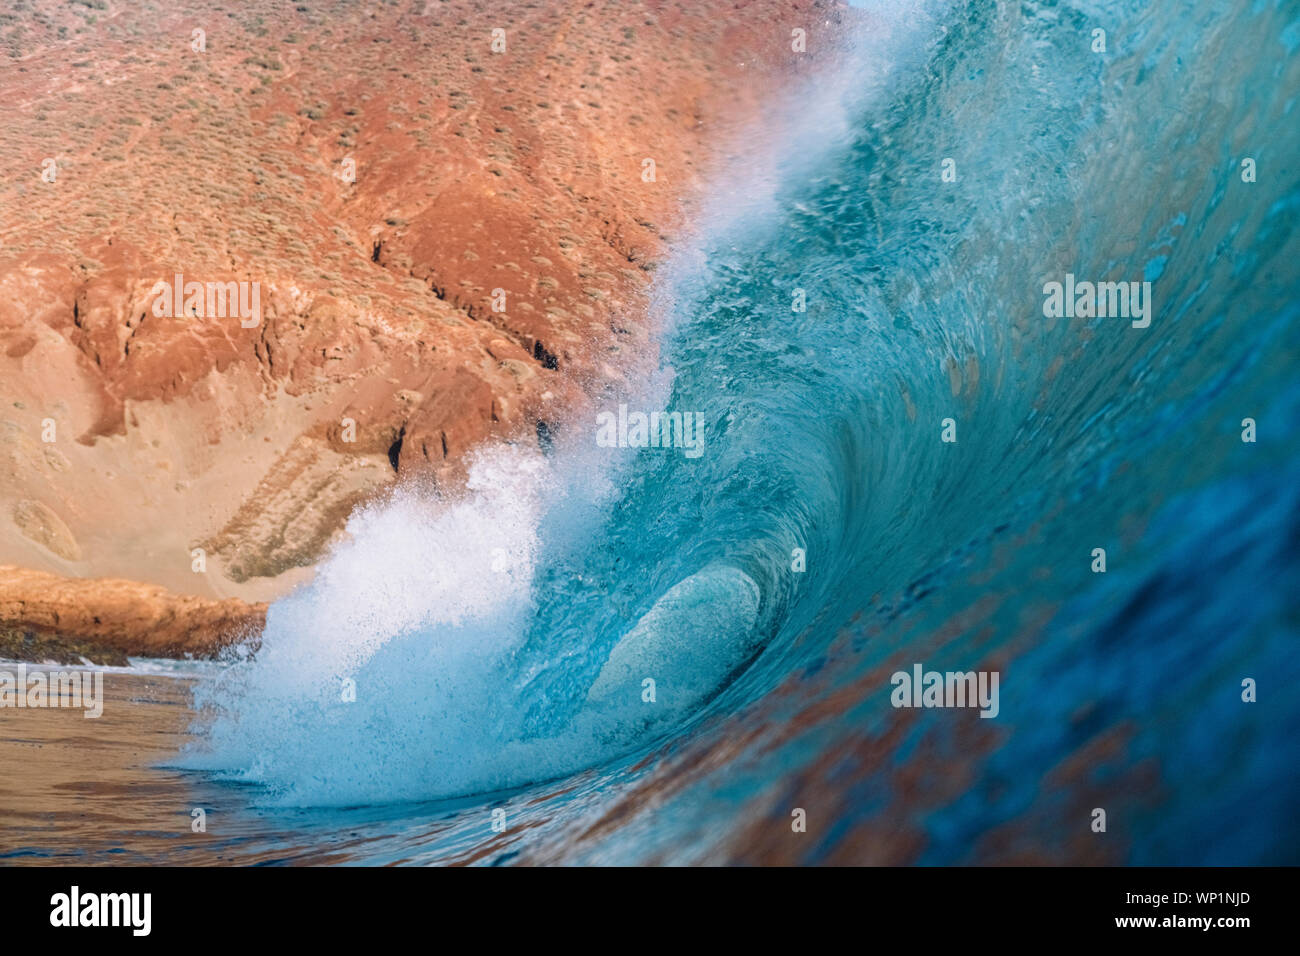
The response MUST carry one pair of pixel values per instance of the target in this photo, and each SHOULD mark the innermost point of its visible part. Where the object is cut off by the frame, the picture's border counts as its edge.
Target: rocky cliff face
(261, 262)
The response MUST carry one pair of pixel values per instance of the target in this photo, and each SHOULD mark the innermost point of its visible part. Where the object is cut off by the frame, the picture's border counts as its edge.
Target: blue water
(497, 643)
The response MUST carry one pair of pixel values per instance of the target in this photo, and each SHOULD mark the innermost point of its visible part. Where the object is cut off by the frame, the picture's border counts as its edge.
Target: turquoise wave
(495, 647)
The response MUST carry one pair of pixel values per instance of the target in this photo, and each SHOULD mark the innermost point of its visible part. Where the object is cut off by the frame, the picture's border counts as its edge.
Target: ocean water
(489, 652)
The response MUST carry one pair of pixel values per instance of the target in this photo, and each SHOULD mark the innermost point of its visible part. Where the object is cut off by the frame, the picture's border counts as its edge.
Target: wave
(915, 201)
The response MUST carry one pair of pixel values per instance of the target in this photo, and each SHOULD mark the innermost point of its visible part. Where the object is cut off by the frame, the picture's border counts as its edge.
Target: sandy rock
(39, 523)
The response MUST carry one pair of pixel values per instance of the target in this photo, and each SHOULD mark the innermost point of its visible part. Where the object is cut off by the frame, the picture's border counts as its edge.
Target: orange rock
(137, 619)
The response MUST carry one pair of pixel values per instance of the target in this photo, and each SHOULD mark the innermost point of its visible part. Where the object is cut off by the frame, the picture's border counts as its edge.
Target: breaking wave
(503, 638)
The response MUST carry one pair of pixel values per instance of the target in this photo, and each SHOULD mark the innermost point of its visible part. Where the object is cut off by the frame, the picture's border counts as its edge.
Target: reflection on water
(77, 790)
(83, 792)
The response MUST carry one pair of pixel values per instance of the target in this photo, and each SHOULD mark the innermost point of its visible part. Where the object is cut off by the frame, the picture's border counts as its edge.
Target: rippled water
(497, 644)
